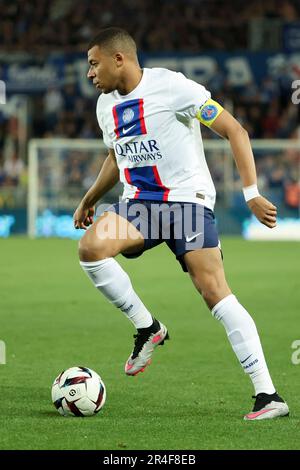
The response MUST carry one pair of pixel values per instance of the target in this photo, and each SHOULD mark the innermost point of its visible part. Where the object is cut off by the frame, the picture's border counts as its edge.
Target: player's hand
(83, 217)
(263, 210)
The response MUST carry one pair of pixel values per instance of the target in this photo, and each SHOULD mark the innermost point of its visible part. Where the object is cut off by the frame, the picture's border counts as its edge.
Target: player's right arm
(107, 179)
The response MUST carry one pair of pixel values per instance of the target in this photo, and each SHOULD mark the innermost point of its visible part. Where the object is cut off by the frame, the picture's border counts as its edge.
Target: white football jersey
(157, 140)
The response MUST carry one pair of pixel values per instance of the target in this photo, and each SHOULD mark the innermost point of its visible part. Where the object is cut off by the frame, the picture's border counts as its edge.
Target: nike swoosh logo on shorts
(125, 131)
(189, 239)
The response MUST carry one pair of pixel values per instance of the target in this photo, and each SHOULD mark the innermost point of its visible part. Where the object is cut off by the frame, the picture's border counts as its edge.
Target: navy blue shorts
(183, 226)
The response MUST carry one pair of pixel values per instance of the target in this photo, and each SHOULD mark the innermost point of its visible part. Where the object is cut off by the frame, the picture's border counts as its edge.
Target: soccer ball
(78, 391)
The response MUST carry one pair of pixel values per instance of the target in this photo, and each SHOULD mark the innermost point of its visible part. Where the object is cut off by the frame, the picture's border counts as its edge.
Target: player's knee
(212, 291)
(94, 250)
(210, 296)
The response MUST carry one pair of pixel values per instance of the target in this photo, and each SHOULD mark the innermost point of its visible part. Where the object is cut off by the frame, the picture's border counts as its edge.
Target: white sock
(245, 342)
(108, 276)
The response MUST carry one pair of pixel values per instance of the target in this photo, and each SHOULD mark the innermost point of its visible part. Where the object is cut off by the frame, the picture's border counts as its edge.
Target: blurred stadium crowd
(170, 25)
(190, 26)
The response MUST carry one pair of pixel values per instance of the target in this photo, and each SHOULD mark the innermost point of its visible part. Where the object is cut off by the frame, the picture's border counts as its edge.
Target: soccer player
(150, 124)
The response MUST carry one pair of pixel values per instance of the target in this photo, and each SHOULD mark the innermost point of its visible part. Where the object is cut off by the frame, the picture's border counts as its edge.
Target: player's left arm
(212, 115)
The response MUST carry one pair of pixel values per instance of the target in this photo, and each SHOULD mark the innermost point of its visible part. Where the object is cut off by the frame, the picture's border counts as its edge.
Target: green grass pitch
(194, 394)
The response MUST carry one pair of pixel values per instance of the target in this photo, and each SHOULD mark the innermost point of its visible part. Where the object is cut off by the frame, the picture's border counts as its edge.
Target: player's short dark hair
(114, 39)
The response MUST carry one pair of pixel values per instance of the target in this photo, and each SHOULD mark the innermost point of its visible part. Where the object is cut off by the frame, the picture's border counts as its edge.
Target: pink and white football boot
(267, 407)
(145, 342)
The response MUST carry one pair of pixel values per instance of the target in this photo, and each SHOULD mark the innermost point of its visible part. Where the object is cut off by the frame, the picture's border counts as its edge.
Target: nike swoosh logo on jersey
(189, 239)
(125, 131)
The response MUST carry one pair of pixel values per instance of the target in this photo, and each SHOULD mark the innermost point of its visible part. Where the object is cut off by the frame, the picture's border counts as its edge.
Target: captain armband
(209, 112)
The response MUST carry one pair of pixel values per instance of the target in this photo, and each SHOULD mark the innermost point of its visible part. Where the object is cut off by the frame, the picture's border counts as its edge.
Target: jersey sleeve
(187, 96)
(107, 141)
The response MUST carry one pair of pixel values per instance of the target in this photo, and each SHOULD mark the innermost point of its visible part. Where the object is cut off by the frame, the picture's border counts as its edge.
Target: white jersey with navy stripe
(157, 140)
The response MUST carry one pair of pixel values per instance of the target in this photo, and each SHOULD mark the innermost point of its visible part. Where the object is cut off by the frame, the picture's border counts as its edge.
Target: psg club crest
(209, 112)
(128, 115)
(129, 118)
